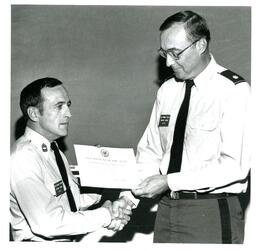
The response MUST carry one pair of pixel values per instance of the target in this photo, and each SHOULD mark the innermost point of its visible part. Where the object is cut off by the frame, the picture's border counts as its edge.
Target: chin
(177, 75)
(181, 75)
(63, 134)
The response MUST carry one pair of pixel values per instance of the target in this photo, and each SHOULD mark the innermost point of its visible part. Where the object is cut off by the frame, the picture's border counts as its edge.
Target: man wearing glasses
(195, 141)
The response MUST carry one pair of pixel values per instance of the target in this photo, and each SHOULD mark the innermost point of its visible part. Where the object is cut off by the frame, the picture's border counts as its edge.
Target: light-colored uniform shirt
(38, 202)
(216, 152)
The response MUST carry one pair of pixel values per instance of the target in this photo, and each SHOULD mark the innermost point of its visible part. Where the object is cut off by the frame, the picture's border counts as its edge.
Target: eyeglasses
(171, 53)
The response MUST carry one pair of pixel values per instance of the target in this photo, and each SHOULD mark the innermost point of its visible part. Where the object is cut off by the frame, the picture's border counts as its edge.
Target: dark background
(107, 58)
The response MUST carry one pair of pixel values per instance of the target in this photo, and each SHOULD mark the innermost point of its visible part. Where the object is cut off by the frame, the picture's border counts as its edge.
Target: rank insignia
(44, 147)
(235, 78)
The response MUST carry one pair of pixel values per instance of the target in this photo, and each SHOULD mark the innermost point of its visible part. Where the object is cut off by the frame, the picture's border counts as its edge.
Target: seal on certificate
(104, 152)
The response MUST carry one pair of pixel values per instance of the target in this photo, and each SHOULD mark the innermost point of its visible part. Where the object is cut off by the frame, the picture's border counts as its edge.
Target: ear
(202, 45)
(33, 113)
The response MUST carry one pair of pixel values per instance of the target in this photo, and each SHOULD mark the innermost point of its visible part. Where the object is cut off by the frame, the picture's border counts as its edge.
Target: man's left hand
(152, 186)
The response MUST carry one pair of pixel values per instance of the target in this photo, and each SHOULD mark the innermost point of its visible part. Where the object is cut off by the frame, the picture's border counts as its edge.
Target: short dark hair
(195, 25)
(31, 94)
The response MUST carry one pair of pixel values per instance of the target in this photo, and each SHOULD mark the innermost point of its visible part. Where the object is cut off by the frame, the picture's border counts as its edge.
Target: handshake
(120, 211)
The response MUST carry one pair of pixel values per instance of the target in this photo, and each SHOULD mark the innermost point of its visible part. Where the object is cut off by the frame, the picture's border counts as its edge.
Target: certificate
(107, 167)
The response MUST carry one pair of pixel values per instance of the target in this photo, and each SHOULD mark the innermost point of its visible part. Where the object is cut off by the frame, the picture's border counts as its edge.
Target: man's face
(175, 38)
(54, 119)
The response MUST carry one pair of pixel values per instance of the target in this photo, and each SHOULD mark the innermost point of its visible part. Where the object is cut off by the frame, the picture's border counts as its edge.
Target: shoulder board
(17, 146)
(235, 78)
(24, 143)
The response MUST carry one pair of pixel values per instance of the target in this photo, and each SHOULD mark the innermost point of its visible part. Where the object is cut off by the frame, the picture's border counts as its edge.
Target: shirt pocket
(204, 122)
(203, 137)
(203, 133)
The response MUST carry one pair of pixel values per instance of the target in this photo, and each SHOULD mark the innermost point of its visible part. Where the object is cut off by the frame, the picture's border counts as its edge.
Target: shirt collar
(38, 140)
(206, 74)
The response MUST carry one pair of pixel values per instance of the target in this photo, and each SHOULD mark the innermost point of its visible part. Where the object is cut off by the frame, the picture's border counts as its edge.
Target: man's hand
(120, 211)
(152, 186)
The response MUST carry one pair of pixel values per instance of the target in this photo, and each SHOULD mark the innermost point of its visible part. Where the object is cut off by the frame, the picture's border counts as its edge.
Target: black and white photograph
(130, 124)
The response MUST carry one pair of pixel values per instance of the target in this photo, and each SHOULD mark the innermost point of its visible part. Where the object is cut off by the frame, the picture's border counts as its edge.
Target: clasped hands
(120, 211)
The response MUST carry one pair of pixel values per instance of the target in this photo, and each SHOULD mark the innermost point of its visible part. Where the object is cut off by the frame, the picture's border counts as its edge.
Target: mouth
(175, 68)
(64, 123)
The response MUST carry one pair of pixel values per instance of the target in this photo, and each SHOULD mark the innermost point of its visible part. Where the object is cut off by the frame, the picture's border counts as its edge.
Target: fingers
(129, 203)
(145, 192)
(127, 211)
(114, 225)
(142, 191)
(117, 225)
(152, 186)
(142, 188)
(122, 214)
(122, 206)
(108, 204)
(120, 211)
(116, 208)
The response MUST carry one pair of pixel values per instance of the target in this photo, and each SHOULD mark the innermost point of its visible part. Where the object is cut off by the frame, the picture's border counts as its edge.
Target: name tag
(164, 120)
(59, 189)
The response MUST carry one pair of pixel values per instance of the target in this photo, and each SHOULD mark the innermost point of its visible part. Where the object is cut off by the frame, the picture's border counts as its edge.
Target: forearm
(47, 217)
(213, 176)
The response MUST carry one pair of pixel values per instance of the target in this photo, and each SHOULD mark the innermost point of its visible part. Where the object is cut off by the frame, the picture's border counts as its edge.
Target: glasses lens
(170, 53)
(174, 55)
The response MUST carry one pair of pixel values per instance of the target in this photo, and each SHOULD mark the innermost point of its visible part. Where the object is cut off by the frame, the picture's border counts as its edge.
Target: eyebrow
(63, 102)
(173, 49)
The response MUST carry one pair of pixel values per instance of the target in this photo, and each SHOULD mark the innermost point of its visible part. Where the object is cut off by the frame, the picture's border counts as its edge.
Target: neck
(203, 63)
(31, 125)
(34, 126)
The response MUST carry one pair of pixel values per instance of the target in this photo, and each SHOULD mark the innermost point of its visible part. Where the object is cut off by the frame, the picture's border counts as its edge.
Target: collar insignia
(44, 147)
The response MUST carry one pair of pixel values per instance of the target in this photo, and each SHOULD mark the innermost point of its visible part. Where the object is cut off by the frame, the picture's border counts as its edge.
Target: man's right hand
(120, 211)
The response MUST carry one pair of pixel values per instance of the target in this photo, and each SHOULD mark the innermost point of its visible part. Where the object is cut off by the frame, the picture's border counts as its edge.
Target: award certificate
(107, 167)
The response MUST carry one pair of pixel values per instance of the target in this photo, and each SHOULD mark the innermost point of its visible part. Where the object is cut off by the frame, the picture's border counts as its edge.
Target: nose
(68, 112)
(169, 60)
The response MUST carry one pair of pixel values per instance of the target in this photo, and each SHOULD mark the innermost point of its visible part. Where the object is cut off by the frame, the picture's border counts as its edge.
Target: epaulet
(235, 78)
(21, 145)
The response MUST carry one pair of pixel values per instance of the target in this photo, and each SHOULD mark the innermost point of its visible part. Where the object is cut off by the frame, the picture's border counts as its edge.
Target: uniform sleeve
(88, 199)
(149, 150)
(233, 163)
(45, 216)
